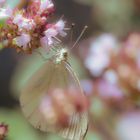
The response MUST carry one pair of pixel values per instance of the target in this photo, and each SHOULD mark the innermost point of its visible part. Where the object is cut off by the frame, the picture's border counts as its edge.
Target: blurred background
(107, 61)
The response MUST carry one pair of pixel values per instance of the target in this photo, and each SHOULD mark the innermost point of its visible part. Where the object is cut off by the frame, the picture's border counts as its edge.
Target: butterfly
(55, 73)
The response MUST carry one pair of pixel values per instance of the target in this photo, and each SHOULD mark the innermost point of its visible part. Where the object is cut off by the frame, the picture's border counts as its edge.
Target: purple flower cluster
(113, 66)
(27, 29)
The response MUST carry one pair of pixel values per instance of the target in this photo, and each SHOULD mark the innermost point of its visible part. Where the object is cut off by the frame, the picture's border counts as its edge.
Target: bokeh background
(107, 61)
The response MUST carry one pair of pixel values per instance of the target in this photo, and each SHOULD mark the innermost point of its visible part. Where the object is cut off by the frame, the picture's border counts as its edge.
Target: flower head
(46, 5)
(99, 54)
(59, 26)
(51, 33)
(23, 23)
(22, 40)
(3, 131)
(31, 24)
(5, 12)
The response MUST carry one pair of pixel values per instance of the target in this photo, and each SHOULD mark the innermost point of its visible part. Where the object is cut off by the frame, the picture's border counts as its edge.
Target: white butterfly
(56, 73)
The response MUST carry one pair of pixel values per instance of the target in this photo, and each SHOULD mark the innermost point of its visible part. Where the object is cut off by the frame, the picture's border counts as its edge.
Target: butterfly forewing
(52, 76)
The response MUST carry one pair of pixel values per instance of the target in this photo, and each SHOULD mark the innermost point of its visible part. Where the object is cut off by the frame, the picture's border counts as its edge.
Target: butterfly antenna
(71, 33)
(78, 39)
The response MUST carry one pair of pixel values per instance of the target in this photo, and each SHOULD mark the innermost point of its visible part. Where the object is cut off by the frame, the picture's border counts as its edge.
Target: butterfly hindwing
(52, 76)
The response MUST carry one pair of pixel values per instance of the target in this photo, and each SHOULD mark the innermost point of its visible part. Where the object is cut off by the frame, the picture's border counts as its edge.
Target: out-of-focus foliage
(112, 15)
(13, 3)
(18, 128)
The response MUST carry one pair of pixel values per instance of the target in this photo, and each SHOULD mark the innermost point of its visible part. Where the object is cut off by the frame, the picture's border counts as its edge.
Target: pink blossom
(109, 90)
(96, 63)
(48, 39)
(56, 29)
(98, 57)
(108, 86)
(52, 32)
(45, 5)
(3, 130)
(60, 25)
(132, 48)
(23, 23)
(23, 40)
(5, 12)
(32, 21)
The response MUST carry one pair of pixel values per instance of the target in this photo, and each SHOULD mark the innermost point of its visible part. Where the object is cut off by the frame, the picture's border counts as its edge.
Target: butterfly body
(62, 56)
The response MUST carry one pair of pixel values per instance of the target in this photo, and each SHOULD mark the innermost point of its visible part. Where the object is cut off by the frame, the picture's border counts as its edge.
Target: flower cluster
(68, 101)
(113, 83)
(114, 67)
(127, 64)
(99, 54)
(3, 131)
(29, 28)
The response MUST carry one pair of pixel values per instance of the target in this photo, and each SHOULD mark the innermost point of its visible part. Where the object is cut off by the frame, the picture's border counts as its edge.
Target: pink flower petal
(46, 4)
(23, 23)
(23, 40)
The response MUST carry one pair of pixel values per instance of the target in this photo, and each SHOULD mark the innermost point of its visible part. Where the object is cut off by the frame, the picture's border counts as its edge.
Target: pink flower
(96, 63)
(108, 90)
(48, 39)
(3, 131)
(56, 29)
(108, 87)
(32, 21)
(60, 25)
(23, 40)
(45, 5)
(52, 32)
(5, 12)
(100, 50)
(23, 23)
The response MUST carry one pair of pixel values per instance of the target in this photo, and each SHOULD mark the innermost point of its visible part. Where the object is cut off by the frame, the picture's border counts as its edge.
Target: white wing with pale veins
(52, 76)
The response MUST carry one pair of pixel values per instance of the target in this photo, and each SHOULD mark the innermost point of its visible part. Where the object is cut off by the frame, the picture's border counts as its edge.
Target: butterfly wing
(79, 122)
(52, 76)
(77, 129)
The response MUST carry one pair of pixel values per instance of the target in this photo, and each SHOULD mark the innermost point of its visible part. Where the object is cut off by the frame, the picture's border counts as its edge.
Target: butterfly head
(62, 55)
